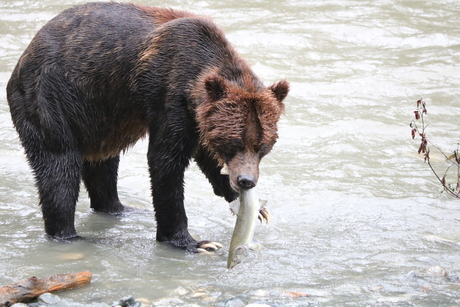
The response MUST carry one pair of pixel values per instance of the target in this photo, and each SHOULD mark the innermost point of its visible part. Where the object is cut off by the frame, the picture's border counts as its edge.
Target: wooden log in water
(30, 288)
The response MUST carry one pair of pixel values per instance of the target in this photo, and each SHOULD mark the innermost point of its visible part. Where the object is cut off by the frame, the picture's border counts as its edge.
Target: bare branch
(454, 159)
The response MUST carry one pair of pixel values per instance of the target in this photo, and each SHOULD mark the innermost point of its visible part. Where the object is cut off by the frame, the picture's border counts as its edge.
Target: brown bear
(100, 76)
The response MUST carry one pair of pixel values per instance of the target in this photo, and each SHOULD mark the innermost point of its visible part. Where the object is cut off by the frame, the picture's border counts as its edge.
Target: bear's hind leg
(100, 179)
(58, 181)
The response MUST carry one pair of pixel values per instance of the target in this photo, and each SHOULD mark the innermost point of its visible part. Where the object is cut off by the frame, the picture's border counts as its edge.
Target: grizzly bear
(100, 76)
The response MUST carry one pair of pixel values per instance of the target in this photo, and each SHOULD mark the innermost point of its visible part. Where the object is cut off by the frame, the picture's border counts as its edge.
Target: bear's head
(239, 126)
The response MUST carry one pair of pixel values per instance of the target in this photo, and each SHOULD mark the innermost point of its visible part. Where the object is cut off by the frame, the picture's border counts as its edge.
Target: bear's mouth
(242, 170)
(233, 183)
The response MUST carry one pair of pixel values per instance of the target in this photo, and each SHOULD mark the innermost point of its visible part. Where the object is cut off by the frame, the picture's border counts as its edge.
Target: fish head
(237, 255)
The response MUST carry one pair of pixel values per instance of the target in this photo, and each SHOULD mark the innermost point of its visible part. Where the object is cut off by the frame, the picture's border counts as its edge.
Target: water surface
(357, 217)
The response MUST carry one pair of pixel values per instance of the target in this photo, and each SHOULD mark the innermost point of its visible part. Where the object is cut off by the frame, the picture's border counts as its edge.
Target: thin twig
(423, 148)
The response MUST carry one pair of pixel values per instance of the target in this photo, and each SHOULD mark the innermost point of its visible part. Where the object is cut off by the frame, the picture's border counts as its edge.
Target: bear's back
(186, 49)
(95, 34)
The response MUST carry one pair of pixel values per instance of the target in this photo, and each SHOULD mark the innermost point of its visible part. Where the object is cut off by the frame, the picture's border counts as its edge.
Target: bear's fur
(99, 76)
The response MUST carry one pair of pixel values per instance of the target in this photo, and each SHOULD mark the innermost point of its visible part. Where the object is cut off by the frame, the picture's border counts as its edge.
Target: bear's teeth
(224, 170)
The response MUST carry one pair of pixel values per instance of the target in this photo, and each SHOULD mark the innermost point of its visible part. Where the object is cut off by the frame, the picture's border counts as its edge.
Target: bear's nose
(246, 181)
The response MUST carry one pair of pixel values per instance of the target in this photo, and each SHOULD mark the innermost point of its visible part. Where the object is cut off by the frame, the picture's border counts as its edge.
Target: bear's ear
(280, 90)
(216, 88)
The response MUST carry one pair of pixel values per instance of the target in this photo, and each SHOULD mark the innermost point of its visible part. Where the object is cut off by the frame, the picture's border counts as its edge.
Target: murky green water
(357, 218)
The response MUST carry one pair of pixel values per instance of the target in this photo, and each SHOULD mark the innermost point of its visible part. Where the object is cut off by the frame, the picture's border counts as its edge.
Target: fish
(248, 209)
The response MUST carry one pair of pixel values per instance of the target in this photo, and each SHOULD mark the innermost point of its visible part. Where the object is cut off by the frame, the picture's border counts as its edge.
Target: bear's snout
(243, 170)
(246, 182)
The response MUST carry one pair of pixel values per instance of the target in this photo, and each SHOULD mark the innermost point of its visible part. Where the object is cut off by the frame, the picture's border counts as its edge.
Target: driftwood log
(30, 288)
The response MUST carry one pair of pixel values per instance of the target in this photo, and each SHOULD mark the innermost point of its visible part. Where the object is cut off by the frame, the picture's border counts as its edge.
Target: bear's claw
(207, 247)
(264, 214)
(210, 246)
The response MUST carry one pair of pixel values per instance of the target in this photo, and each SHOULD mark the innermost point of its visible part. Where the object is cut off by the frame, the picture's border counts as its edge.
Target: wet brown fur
(240, 114)
(162, 15)
(245, 117)
(245, 114)
(99, 76)
(159, 17)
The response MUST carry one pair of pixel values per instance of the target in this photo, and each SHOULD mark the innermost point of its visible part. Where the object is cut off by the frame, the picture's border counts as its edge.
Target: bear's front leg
(167, 168)
(211, 169)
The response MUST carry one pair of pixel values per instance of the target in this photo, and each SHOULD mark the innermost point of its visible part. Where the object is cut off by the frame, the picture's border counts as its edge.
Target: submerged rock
(436, 271)
(127, 301)
(259, 293)
(72, 256)
(412, 275)
(49, 299)
(143, 301)
(235, 302)
(168, 302)
(180, 291)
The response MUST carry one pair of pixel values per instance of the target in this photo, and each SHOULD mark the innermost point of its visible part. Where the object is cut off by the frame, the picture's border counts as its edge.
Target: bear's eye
(229, 148)
(264, 150)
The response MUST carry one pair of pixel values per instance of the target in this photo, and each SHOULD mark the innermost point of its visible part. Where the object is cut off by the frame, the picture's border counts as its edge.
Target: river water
(357, 217)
